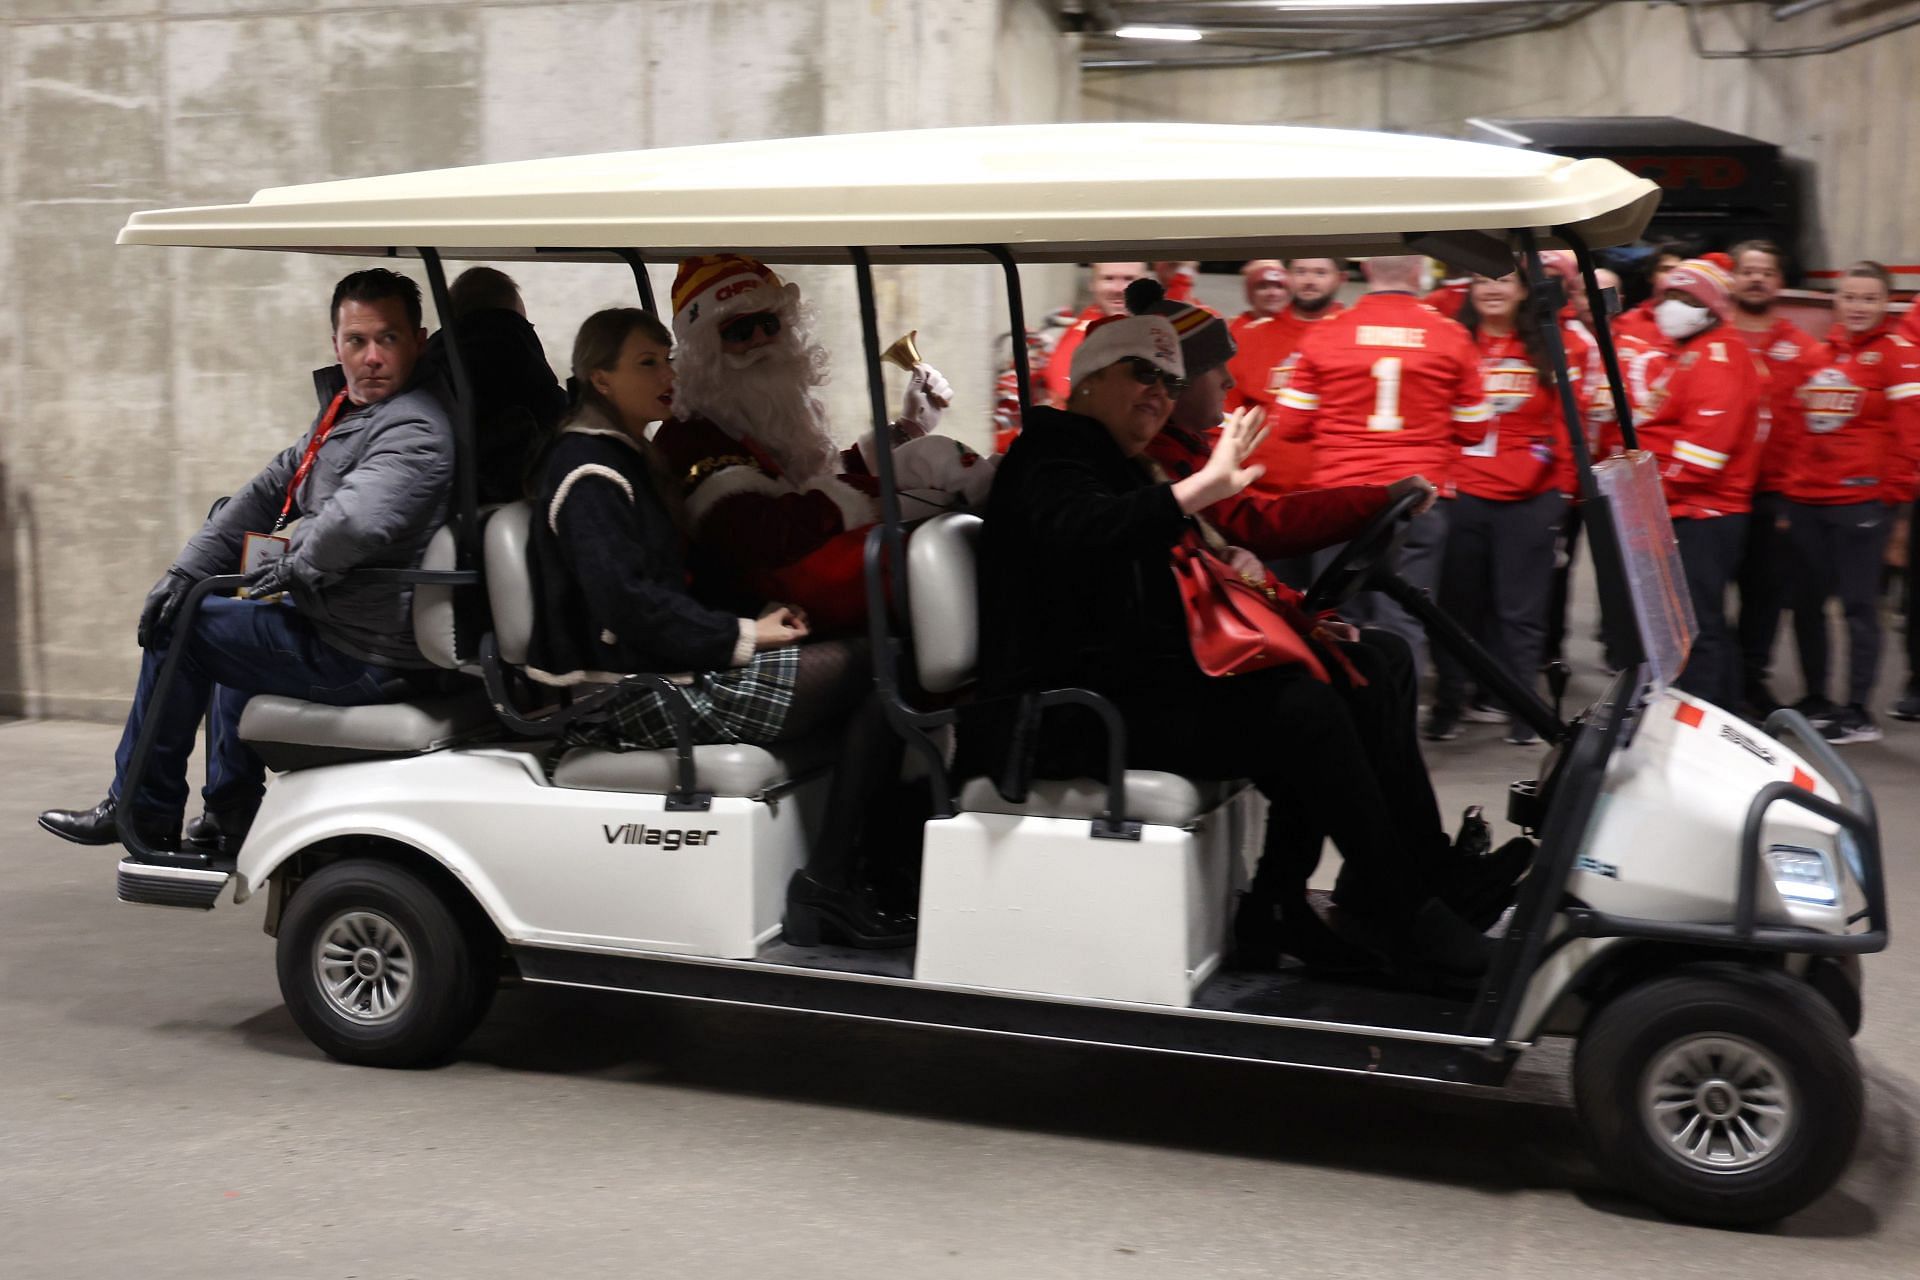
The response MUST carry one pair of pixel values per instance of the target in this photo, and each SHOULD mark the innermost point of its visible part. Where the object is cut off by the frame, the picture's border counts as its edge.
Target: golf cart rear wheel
(1721, 1095)
(378, 969)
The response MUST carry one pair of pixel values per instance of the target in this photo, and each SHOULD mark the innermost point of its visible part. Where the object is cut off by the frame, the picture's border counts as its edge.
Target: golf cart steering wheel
(1354, 567)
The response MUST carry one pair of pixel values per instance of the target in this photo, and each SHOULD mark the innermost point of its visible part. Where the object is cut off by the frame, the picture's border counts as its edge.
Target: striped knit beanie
(1205, 342)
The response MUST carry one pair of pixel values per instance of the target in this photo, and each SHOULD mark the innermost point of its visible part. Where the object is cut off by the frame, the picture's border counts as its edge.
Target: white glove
(928, 395)
(938, 464)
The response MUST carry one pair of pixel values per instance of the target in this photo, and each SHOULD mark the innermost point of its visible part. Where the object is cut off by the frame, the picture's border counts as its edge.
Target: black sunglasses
(1146, 373)
(741, 328)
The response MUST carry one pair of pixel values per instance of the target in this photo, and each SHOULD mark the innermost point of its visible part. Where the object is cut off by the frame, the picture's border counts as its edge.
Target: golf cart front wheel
(1721, 1095)
(378, 969)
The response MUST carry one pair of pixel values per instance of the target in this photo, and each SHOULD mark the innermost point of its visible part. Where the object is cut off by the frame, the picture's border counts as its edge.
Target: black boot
(96, 826)
(1479, 889)
(1430, 950)
(817, 914)
(218, 833)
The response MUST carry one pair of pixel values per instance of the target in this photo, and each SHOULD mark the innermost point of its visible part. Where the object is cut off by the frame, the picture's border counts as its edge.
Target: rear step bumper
(170, 886)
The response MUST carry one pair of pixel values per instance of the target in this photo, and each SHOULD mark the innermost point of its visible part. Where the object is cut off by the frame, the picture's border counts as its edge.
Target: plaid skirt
(740, 704)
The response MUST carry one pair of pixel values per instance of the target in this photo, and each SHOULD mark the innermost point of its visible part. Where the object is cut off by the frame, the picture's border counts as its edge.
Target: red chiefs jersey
(1264, 345)
(1785, 353)
(1525, 449)
(1703, 424)
(1059, 374)
(1390, 388)
(1638, 322)
(1862, 409)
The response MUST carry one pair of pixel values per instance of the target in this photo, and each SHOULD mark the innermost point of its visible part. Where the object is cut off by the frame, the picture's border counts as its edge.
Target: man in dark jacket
(368, 486)
(517, 402)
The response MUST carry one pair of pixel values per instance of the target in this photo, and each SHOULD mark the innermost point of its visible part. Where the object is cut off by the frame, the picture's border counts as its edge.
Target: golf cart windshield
(1663, 610)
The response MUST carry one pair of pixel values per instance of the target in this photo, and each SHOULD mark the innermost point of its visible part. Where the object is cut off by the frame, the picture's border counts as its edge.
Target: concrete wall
(137, 385)
(1851, 115)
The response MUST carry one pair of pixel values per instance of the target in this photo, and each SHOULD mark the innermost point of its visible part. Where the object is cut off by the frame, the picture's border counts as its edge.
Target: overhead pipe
(1700, 49)
(1558, 16)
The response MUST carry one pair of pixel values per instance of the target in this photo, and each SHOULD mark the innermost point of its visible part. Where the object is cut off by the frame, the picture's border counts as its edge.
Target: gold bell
(903, 352)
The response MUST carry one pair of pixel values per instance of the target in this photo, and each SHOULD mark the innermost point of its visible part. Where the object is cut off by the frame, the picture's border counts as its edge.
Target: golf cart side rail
(1854, 814)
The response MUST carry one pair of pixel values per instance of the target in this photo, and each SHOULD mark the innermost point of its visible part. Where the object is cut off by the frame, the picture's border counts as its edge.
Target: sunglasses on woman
(741, 328)
(1146, 373)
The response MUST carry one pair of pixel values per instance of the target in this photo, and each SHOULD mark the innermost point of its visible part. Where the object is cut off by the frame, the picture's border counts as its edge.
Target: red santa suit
(1260, 368)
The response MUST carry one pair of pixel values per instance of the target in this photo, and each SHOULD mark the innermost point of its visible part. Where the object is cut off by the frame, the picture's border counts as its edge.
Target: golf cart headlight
(1803, 875)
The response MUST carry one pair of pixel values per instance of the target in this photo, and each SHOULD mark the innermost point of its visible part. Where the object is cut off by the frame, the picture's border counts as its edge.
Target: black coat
(517, 402)
(608, 570)
(1076, 586)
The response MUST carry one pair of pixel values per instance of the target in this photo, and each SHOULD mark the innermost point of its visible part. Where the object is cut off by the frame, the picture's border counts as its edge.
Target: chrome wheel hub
(1719, 1104)
(364, 964)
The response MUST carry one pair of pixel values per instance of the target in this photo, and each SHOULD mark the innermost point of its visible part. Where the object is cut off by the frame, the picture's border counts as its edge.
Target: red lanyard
(306, 462)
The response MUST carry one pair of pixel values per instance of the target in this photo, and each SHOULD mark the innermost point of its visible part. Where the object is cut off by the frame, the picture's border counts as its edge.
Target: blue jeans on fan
(235, 649)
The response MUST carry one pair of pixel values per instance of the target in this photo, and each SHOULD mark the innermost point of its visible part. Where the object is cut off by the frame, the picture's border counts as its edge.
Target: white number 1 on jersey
(1386, 396)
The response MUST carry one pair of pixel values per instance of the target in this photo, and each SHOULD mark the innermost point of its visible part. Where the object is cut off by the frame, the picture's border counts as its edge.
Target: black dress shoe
(219, 833)
(1433, 949)
(96, 826)
(1479, 889)
(1264, 932)
(818, 914)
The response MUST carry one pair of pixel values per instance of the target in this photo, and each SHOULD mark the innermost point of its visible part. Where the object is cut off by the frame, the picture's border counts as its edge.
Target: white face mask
(1680, 320)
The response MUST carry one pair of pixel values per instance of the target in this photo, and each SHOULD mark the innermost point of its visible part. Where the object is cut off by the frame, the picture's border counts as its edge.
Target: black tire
(1784, 1031)
(450, 977)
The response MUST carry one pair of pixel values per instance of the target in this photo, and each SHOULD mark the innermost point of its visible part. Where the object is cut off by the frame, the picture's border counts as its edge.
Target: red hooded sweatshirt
(1785, 353)
(1862, 409)
(1703, 422)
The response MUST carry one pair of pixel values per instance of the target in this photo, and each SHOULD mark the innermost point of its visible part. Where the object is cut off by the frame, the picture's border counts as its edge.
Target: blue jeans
(235, 649)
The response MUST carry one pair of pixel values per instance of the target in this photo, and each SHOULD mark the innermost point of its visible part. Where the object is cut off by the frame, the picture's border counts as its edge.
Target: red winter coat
(1704, 425)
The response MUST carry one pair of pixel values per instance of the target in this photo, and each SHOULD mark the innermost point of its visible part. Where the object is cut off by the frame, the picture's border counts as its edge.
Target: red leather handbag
(1233, 626)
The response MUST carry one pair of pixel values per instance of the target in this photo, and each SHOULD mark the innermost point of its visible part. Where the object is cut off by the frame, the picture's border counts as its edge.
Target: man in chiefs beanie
(1703, 426)
(775, 510)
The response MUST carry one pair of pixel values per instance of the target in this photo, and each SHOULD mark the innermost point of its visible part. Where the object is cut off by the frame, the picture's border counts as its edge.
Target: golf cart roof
(1063, 193)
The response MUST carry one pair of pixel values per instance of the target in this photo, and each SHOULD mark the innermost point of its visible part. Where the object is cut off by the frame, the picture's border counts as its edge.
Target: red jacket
(1387, 389)
(1641, 365)
(1525, 450)
(1059, 372)
(1271, 527)
(1448, 298)
(1785, 353)
(1638, 322)
(1703, 426)
(1261, 365)
(1862, 407)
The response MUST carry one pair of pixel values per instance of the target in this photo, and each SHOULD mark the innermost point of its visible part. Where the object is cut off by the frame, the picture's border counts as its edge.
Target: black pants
(1710, 554)
(1566, 549)
(1497, 580)
(1766, 583)
(1417, 561)
(1837, 551)
(1335, 760)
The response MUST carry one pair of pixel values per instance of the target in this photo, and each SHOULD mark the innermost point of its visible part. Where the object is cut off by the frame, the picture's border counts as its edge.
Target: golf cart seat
(722, 769)
(289, 733)
(1005, 885)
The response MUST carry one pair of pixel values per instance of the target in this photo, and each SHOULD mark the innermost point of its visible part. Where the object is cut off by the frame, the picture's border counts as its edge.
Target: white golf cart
(1693, 916)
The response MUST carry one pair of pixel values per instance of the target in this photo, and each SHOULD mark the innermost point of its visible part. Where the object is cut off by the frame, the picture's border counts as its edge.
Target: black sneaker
(1818, 709)
(1758, 702)
(1442, 724)
(1851, 724)
(1908, 708)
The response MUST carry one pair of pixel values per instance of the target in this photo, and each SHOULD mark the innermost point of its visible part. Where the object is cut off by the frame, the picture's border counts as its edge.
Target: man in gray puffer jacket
(369, 486)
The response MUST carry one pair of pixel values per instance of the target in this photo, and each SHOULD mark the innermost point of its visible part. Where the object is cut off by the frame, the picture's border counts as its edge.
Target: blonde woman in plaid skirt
(607, 557)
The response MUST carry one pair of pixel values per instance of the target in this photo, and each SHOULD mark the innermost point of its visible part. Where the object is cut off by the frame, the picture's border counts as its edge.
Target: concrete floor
(161, 1116)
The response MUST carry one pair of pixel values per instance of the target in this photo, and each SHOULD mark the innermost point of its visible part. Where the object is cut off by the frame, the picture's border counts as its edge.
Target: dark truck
(1717, 188)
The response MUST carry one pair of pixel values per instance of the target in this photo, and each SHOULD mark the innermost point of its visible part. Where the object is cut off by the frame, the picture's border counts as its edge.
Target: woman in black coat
(607, 556)
(1076, 590)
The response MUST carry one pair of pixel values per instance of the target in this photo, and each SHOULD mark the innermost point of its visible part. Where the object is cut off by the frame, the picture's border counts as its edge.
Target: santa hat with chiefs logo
(1112, 339)
(710, 289)
(1706, 282)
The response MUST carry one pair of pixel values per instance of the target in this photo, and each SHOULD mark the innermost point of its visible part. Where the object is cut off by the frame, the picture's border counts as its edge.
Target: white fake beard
(763, 393)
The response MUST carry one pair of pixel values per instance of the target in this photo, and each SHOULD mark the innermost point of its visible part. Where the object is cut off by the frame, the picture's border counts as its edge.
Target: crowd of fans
(1787, 460)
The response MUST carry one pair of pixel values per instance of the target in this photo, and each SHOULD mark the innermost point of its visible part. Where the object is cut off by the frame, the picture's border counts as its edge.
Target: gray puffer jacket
(377, 492)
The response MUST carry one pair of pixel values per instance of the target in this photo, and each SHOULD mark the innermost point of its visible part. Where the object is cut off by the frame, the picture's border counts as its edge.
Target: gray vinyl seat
(942, 575)
(724, 769)
(289, 733)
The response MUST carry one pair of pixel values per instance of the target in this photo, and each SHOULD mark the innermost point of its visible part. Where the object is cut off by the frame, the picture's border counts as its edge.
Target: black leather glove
(268, 579)
(162, 607)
